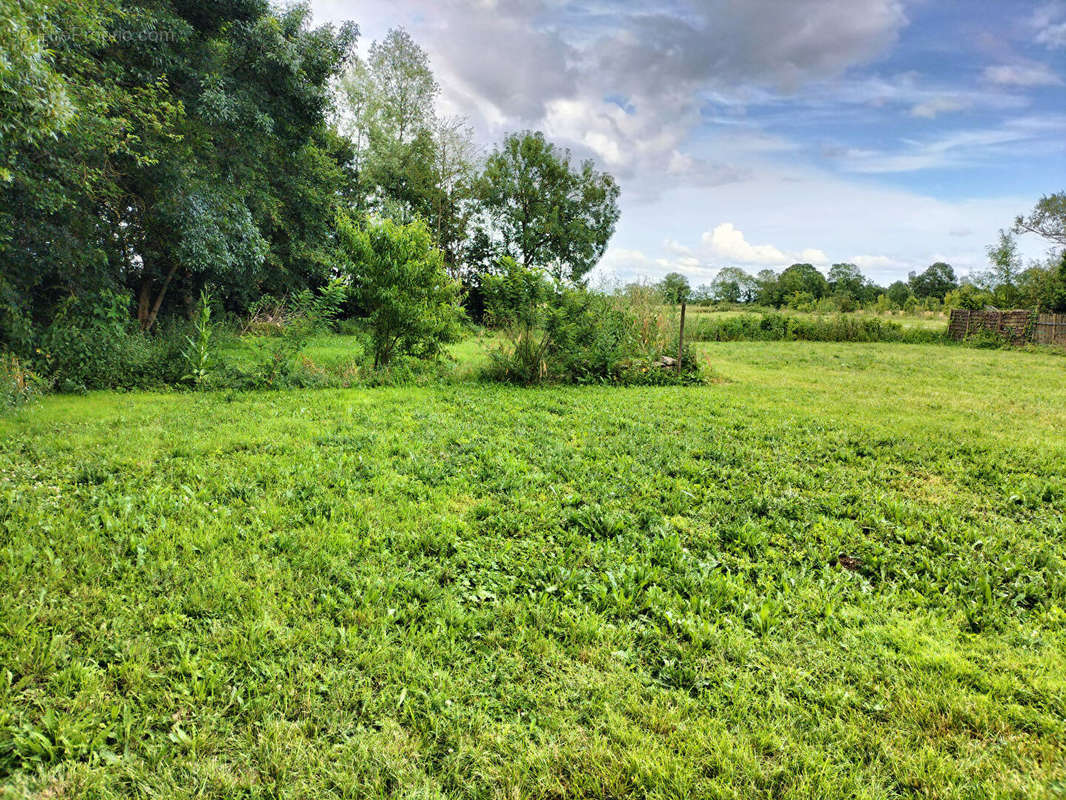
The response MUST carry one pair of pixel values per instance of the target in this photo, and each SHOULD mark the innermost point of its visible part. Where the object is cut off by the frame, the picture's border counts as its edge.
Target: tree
(847, 280)
(1006, 266)
(1047, 219)
(388, 113)
(1044, 287)
(936, 281)
(452, 194)
(411, 305)
(542, 211)
(674, 288)
(898, 293)
(802, 279)
(768, 292)
(198, 156)
(733, 285)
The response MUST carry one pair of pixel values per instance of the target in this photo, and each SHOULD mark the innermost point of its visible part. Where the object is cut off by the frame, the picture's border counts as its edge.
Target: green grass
(474, 590)
(925, 320)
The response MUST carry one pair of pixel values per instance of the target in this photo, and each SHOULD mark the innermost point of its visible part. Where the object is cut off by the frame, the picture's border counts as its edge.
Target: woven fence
(1017, 327)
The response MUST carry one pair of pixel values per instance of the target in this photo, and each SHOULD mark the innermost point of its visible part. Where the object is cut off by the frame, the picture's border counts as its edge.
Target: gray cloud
(626, 84)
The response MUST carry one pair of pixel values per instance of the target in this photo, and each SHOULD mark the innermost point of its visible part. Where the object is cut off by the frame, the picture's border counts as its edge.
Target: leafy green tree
(1047, 219)
(35, 101)
(674, 288)
(411, 305)
(935, 281)
(768, 292)
(1006, 264)
(452, 199)
(388, 113)
(968, 296)
(544, 211)
(733, 285)
(200, 154)
(802, 279)
(847, 280)
(898, 293)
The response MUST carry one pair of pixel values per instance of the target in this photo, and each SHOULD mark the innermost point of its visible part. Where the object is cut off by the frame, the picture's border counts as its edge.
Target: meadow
(832, 570)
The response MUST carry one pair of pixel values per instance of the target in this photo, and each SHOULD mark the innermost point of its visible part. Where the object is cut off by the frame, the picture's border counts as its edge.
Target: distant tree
(847, 280)
(388, 113)
(702, 294)
(968, 296)
(898, 293)
(1047, 219)
(1006, 264)
(453, 189)
(733, 285)
(543, 211)
(768, 289)
(802, 279)
(936, 281)
(674, 288)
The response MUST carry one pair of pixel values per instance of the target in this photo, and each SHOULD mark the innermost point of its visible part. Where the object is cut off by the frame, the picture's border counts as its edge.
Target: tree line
(1007, 283)
(153, 150)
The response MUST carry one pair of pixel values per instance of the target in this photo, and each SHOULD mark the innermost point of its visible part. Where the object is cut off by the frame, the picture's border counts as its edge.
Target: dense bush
(18, 384)
(791, 327)
(411, 306)
(93, 344)
(556, 332)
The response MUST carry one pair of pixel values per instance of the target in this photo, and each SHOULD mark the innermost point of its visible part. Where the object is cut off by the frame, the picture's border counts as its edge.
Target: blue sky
(884, 132)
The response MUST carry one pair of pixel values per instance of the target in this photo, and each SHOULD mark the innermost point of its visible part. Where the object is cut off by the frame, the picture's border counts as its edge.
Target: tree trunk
(150, 320)
(143, 299)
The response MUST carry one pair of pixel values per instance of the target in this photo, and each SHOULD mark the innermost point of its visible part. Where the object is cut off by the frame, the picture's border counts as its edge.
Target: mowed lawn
(839, 570)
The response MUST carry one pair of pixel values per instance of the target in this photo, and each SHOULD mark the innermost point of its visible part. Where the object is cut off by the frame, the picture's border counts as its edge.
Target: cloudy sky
(756, 133)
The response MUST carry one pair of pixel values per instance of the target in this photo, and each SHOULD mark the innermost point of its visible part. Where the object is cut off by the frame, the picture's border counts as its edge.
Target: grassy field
(838, 570)
(926, 320)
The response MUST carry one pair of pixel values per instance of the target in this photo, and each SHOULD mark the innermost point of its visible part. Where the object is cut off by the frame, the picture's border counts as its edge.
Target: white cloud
(929, 109)
(1022, 75)
(1049, 22)
(727, 243)
(959, 148)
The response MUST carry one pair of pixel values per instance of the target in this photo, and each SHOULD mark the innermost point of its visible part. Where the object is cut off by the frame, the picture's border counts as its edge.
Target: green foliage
(86, 345)
(200, 154)
(1047, 219)
(794, 327)
(545, 212)
(936, 281)
(802, 279)
(969, 297)
(410, 304)
(388, 114)
(198, 352)
(839, 573)
(674, 288)
(18, 384)
(560, 333)
(1006, 267)
(898, 293)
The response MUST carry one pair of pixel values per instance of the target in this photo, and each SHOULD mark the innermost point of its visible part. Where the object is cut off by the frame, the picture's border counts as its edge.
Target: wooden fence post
(681, 338)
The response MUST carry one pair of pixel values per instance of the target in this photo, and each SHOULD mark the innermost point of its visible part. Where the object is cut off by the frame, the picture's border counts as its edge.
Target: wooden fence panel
(1051, 329)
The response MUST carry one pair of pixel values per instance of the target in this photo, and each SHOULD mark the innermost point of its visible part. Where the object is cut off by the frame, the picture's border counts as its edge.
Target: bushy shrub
(556, 332)
(93, 344)
(86, 344)
(411, 305)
